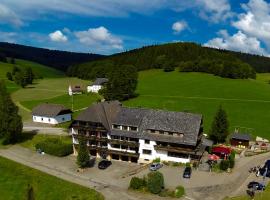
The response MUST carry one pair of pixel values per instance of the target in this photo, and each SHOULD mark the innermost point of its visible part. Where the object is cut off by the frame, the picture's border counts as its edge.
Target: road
(31, 127)
(207, 186)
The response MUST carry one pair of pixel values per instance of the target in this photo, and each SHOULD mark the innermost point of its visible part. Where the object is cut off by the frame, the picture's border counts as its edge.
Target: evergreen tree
(83, 157)
(20, 78)
(15, 69)
(10, 121)
(122, 83)
(220, 127)
(29, 75)
(9, 76)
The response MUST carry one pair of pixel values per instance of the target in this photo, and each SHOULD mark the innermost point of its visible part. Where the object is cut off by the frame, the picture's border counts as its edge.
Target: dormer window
(133, 128)
(124, 128)
(116, 126)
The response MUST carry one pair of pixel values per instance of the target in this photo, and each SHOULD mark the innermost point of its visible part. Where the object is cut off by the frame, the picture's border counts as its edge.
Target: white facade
(94, 88)
(148, 153)
(52, 120)
(71, 92)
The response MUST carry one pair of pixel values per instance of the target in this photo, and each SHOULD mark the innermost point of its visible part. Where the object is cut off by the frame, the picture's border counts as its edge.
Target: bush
(224, 165)
(155, 182)
(156, 160)
(136, 183)
(232, 160)
(55, 146)
(179, 191)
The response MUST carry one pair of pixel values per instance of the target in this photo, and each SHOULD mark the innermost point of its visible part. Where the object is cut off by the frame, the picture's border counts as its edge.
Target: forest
(186, 56)
(60, 60)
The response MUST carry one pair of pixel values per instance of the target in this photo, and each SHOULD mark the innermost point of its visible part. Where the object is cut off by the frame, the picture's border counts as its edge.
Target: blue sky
(110, 26)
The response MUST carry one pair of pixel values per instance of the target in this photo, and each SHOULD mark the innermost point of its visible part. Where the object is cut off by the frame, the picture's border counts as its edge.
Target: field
(15, 178)
(247, 102)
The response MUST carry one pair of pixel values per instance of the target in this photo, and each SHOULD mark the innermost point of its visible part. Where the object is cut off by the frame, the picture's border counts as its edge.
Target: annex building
(139, 134)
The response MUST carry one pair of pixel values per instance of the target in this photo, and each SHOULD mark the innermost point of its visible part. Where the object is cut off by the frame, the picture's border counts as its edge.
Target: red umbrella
(213, 157)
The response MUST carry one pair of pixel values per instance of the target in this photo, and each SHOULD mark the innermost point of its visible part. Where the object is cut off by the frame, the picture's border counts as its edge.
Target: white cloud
(237, 42)
(179, 26)
(256, 20)
(58, 36)
(99, 38)
(8, 37)
(8, 16)
(211, 10)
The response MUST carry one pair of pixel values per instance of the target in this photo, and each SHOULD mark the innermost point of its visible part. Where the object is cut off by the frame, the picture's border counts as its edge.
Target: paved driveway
(202, 185)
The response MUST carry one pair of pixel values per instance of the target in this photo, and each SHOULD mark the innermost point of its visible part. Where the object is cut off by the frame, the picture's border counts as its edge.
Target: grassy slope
(15, 178)
(52, 88)
(247, 102)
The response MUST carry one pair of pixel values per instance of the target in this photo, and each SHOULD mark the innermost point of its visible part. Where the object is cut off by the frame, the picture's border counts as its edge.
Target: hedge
(55, 146)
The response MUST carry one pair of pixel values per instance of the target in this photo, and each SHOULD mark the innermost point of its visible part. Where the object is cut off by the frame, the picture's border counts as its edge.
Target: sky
(111, 26)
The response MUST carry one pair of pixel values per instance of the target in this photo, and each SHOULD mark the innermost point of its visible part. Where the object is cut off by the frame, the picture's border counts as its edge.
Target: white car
(155, 166)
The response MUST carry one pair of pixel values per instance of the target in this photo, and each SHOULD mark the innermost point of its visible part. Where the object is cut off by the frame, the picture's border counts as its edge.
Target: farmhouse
(74, 90)
(51, 114)
(240, 140)
(138, 134)
(97, 85)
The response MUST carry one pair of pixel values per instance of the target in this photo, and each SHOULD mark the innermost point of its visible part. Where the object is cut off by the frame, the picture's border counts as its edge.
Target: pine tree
(30, 75)
(9, 76)
(83, 157)
(220, 126)
(10, 120)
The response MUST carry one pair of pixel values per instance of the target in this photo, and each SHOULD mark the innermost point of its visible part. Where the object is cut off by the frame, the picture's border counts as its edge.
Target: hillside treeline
(187, 56)
(60, 60)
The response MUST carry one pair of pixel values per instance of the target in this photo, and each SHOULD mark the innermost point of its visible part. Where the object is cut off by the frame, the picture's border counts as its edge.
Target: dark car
(104, 164)
(256, 185)
(187, 172)
(264, 172)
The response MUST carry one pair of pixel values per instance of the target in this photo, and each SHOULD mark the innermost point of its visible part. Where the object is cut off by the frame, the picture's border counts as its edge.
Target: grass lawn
(53, 90)
(30, 140)
(15, 178)
(79, 101)
(247, 102)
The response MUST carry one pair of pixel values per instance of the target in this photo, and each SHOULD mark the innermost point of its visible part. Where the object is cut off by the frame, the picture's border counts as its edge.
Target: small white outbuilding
(51, 114)
(97, 85)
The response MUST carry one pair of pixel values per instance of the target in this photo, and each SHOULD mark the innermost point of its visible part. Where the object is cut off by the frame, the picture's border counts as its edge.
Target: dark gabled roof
(179, 122)
(100, 81)
(50, 110)
(241, 136)
(102, 113)
(130, 116)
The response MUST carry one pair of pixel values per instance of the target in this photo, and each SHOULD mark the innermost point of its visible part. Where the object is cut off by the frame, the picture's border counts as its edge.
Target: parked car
(155, 166)
(104, 164)
(187, 172)
(256, 185)
(264, 171)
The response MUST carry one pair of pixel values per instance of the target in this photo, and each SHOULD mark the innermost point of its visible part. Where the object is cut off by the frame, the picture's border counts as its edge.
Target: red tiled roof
(221, 150)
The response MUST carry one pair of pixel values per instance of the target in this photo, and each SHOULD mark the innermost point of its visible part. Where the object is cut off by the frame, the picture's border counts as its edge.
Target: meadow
(15, 178)
(247, 102)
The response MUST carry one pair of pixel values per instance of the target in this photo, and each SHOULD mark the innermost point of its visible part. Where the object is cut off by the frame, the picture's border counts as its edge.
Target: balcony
(124, 142)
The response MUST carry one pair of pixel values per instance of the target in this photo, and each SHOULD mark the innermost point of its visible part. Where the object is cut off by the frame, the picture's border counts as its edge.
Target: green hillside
(246, 101)
(38, 69)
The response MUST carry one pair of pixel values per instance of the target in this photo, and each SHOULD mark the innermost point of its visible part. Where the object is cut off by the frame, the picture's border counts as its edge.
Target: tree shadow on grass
(27, 135)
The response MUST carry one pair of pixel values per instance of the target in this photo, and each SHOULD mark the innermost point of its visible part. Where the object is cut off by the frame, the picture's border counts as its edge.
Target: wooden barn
(240, 140)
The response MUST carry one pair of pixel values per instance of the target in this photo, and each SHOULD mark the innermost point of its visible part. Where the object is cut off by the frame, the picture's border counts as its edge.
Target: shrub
(179, 191)
(156, 160)
(155, 182)
(136, 183)
(224, 165)
(232, 159)
(166, 163)
(167, 193)
(55, 146)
